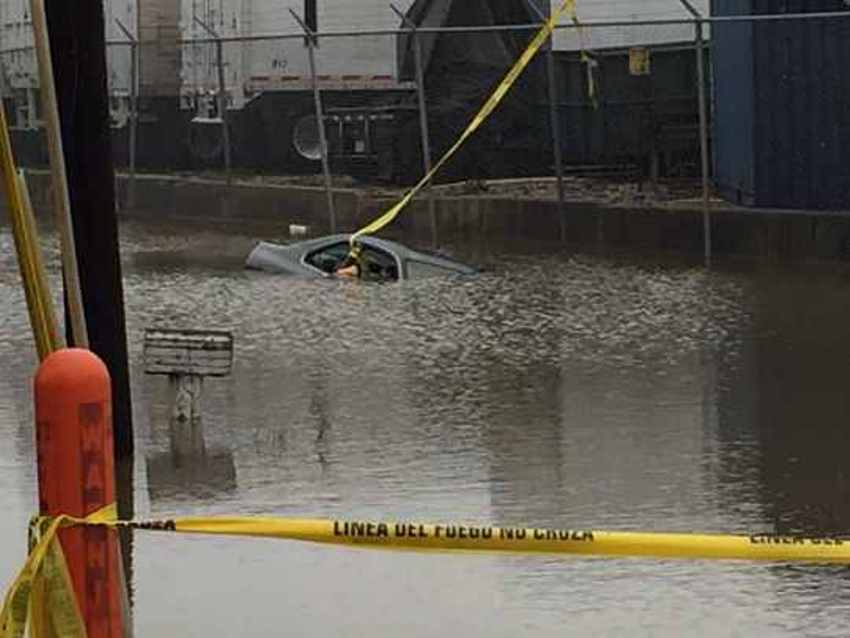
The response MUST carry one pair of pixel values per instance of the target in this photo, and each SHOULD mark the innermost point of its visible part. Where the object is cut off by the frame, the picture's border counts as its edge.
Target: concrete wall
(735, 231)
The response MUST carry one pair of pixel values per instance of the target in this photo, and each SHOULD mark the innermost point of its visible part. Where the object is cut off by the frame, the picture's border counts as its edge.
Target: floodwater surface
(558, 389)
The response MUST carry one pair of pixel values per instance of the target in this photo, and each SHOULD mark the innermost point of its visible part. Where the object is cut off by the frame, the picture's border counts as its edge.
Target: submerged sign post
(186, 357)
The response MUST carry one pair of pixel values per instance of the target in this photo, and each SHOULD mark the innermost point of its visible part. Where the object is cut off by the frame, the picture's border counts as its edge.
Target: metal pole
(554, 123)
(556, 137)
(222, 98)
(222, 108)
(420, 89)
(320, 120)
(703, 141)
(423, 117)
(134, 114)
(134, 111)
(703, 128)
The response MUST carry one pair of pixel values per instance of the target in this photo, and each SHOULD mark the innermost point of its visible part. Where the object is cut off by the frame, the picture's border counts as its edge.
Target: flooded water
(556, 389)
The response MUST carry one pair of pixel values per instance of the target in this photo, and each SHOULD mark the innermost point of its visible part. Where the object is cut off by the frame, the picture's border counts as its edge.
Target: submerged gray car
(380, 259)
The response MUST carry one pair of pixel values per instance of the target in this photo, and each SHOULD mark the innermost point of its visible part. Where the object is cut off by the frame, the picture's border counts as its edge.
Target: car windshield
(375, 264)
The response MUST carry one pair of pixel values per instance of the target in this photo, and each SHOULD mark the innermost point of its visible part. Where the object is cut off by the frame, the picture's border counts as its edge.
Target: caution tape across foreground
(44, 582)
(401, 535)
(489, 106)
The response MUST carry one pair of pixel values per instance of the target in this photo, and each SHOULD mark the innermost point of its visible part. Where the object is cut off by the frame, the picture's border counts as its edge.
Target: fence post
(703, 127)
(76, 476)
(423, 116)
(222, 97)
(320, 118)
(134, 111)
(554, 120)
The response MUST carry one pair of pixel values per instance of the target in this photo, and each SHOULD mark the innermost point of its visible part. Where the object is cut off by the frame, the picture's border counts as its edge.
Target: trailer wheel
(305, 138)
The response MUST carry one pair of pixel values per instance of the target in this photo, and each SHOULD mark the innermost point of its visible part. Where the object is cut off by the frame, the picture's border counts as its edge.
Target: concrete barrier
(677, 229)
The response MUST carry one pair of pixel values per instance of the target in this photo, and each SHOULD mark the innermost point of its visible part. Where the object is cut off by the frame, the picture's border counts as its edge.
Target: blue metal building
(782, 105)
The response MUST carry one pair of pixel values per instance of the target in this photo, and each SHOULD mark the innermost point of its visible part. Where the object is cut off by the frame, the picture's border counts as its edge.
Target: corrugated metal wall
(634, 116)
(734, 104)
(782, 109)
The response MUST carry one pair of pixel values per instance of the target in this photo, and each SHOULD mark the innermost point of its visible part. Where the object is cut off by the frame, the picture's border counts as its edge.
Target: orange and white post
(73, 413)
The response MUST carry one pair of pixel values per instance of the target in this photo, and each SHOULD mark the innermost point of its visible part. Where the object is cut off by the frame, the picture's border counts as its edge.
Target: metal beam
(420, 85)
(536, 26)
(703, 126)
(554, 119)
(779, 17)
(423, 116)
(320, 117)
(134, 110)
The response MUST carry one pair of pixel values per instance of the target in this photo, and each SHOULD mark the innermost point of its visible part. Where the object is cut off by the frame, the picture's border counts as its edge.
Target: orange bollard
(73, 413)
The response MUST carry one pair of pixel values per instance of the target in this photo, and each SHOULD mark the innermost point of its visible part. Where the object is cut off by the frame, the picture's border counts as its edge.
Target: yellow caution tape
(39, 301)
(489, 106)
(453, 537)
(42, 595)
(45, 569)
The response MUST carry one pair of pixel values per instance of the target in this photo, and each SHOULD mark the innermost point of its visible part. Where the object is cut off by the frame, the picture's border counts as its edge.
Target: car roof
(291, 257)
(403, 252)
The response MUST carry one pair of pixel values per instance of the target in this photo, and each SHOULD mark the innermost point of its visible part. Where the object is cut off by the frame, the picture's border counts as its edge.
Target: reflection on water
(189, 470)
(554, 390)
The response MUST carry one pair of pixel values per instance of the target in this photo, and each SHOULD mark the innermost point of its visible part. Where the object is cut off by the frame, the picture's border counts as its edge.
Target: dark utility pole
(78, 51)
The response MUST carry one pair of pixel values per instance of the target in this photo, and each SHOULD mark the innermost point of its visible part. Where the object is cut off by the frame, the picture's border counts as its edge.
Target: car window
(375, 264)
(420, 269)
(328, 258)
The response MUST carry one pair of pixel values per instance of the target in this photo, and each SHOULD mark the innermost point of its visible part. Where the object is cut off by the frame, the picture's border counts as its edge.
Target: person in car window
(350, 266)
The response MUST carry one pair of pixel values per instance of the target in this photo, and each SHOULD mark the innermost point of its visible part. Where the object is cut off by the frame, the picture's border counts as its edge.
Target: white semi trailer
(365, 62)
(359, 74)
(18, 63)
(254, 66)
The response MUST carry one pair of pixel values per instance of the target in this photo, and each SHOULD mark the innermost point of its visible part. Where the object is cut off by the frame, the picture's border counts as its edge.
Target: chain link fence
(632, 102)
